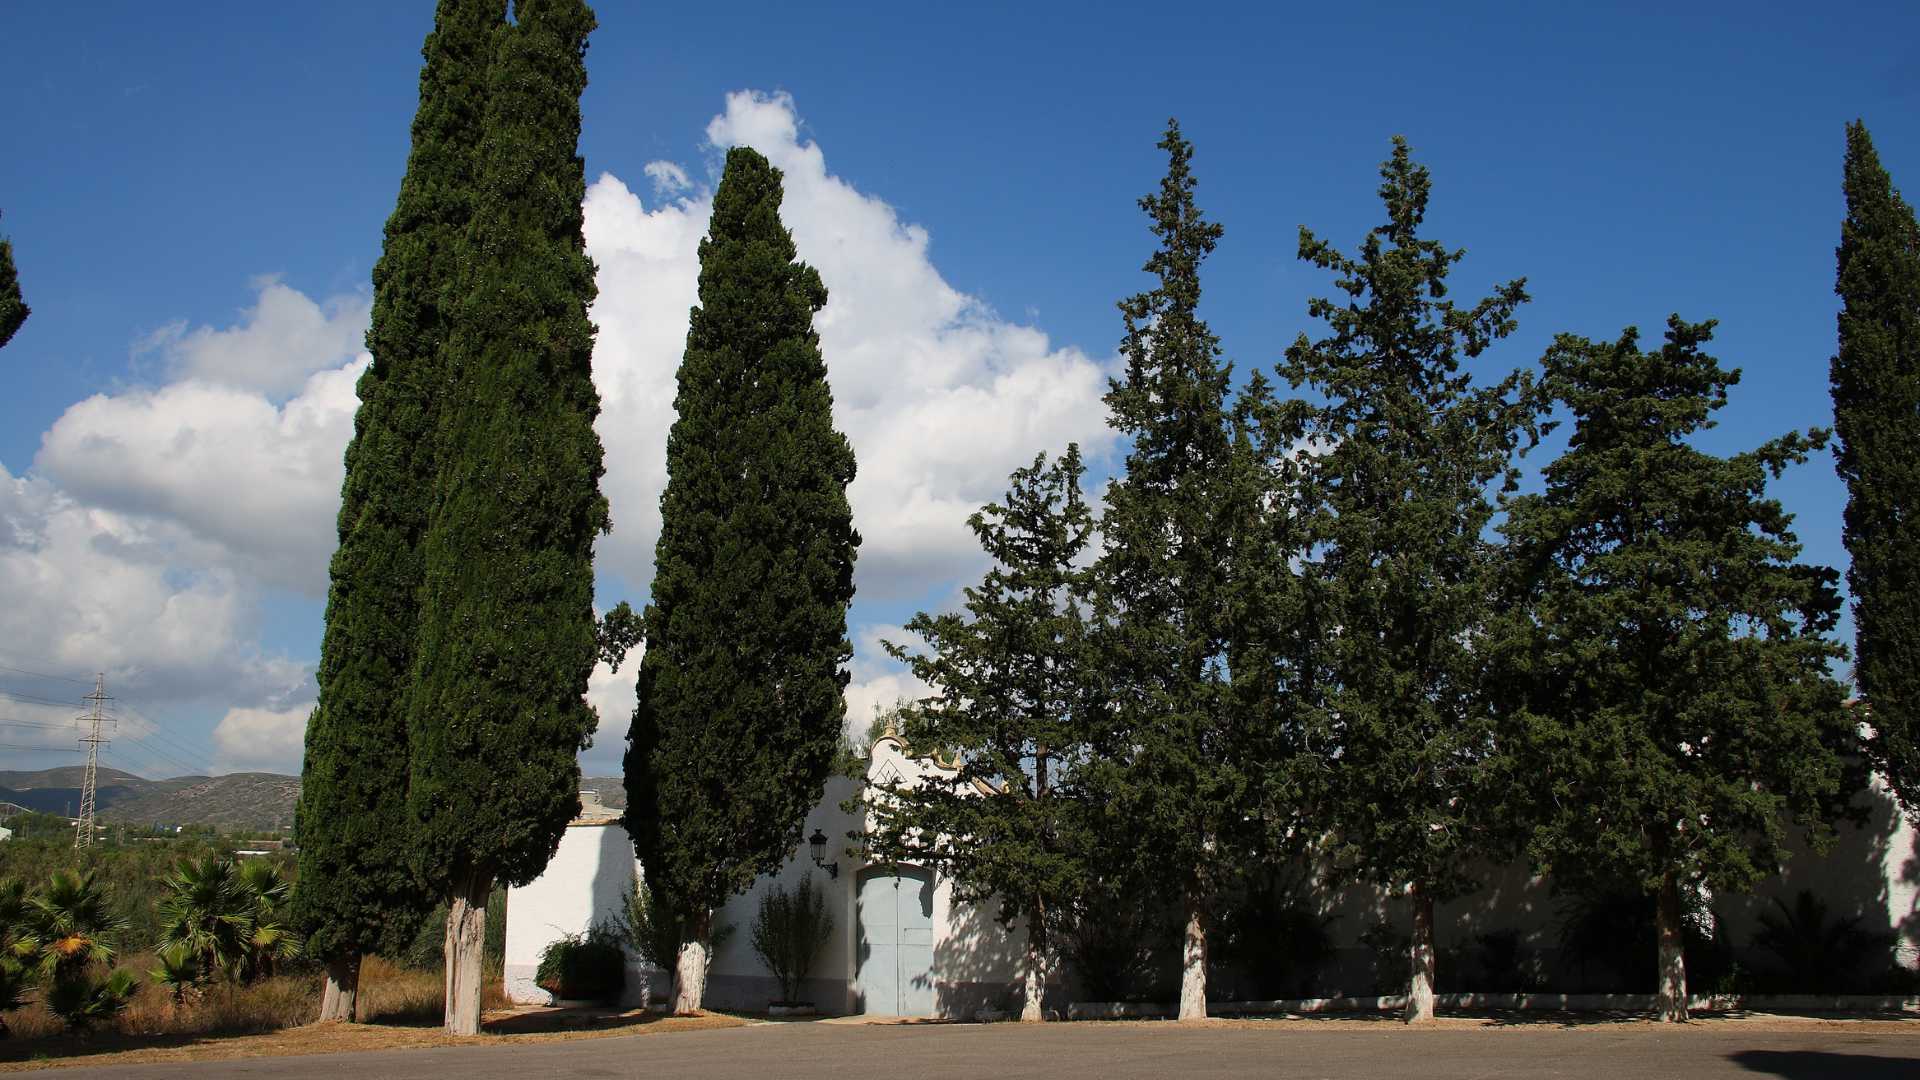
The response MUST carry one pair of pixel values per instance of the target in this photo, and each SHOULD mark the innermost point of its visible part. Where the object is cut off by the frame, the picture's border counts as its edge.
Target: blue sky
(196, 198)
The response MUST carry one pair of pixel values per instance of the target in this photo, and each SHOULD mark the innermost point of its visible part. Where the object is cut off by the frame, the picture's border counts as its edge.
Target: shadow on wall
(976, 964)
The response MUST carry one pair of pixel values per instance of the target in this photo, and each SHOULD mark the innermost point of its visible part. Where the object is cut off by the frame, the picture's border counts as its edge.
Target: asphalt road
(1086, 1050)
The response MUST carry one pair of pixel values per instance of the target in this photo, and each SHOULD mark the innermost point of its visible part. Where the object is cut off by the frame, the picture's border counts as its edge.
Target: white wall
(588, 880)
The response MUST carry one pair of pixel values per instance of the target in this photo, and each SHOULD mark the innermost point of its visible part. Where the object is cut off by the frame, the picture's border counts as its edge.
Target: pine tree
(1182, 587)
(739, 694)
(1673, 655)
(1013, 703)
(13, 306)
(1876, 410)
(507, 635)
(356, 892)
(1399, 581)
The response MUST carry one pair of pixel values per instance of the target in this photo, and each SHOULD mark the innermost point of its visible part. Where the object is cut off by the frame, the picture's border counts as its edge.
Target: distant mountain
(234, 801)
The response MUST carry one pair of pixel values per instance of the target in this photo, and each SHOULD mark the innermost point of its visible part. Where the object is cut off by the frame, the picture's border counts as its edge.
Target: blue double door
(896, 942)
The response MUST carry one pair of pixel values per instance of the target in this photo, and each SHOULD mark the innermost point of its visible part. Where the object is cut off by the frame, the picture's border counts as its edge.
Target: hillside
(233, 801)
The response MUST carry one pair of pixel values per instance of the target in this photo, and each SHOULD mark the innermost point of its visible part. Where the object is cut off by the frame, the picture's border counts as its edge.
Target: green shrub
(584, 967)
(789, 932)
(1813, 954)
(82, 1000)
(1273, 939)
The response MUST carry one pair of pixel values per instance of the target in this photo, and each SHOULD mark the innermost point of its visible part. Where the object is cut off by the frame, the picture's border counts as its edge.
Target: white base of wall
(1393, 1003)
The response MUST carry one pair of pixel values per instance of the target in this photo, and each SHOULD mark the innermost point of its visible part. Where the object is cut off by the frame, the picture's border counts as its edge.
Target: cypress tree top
(13, 307)
(507, 632)
(740, 701)
(1876, 407)
(356, 893)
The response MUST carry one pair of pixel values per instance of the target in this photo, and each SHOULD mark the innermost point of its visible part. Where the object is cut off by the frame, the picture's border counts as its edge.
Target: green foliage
(1397, 504)
(1815, 955)
(83, 999)
(132, 872)
(179, 972)
(507, 635)
(619, 631)
(1118, 943)
(1190, 770)
(788, 933)
(1672, 656)
(1876, 411)
(650, 928)
(358, 893)
(1503, 964)
(1014, 705)
(70, 925)
(1606, 934)
(739, 704)
(590, 966)
(1273, 937)
(208, 914)
(13, 306)
(230, 918)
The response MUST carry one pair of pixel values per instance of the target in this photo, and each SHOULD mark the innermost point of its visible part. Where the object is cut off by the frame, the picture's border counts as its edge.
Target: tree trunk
(1033, 972)
(465, 948)
(1193, 964)
(1420, 971)
(1673, 958)
(690, 967)
(341, 999)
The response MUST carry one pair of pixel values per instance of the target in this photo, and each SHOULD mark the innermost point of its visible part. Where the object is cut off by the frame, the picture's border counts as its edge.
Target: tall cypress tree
(1178, 772)
(356, 892)
(740, 703)
(1673, 654)
(1013, 703)
(507, 636)
(1876, 412)
(13, 306)
(1400, 578)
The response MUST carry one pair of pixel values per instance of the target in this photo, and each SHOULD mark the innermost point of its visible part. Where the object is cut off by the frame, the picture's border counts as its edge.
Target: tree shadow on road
(1824, 1064)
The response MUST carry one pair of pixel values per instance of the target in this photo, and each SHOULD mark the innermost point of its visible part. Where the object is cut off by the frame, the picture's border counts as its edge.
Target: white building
(900, 947)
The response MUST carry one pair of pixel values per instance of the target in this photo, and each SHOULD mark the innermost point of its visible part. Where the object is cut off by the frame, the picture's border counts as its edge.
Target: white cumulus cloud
(940, 396)
(261, 740)
(283, 338)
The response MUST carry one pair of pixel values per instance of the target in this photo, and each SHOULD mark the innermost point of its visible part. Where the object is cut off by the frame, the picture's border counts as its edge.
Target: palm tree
(208, 912)
(69, 925)
(81, 1000)
(270, 940)
(179, 974)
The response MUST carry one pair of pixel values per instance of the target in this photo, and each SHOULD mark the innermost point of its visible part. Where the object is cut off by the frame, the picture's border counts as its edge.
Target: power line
(48, 749)
(32, 700)
(42, 675)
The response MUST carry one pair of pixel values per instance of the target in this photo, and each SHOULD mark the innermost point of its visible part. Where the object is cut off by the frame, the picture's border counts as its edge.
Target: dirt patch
(517, 1027)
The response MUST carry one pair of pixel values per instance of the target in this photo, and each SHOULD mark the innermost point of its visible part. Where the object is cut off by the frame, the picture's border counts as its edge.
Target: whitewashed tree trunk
(465, 947)
(1033, 971)
(341, 999)
(1672, 1002)
(690, 968)
(1193, 964)
(1421, 970)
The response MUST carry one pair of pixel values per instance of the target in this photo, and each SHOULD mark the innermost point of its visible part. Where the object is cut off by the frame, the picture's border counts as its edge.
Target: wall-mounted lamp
(817, 843)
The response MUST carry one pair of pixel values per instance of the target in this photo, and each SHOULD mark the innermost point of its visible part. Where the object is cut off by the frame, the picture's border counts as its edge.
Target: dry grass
(389, 996)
